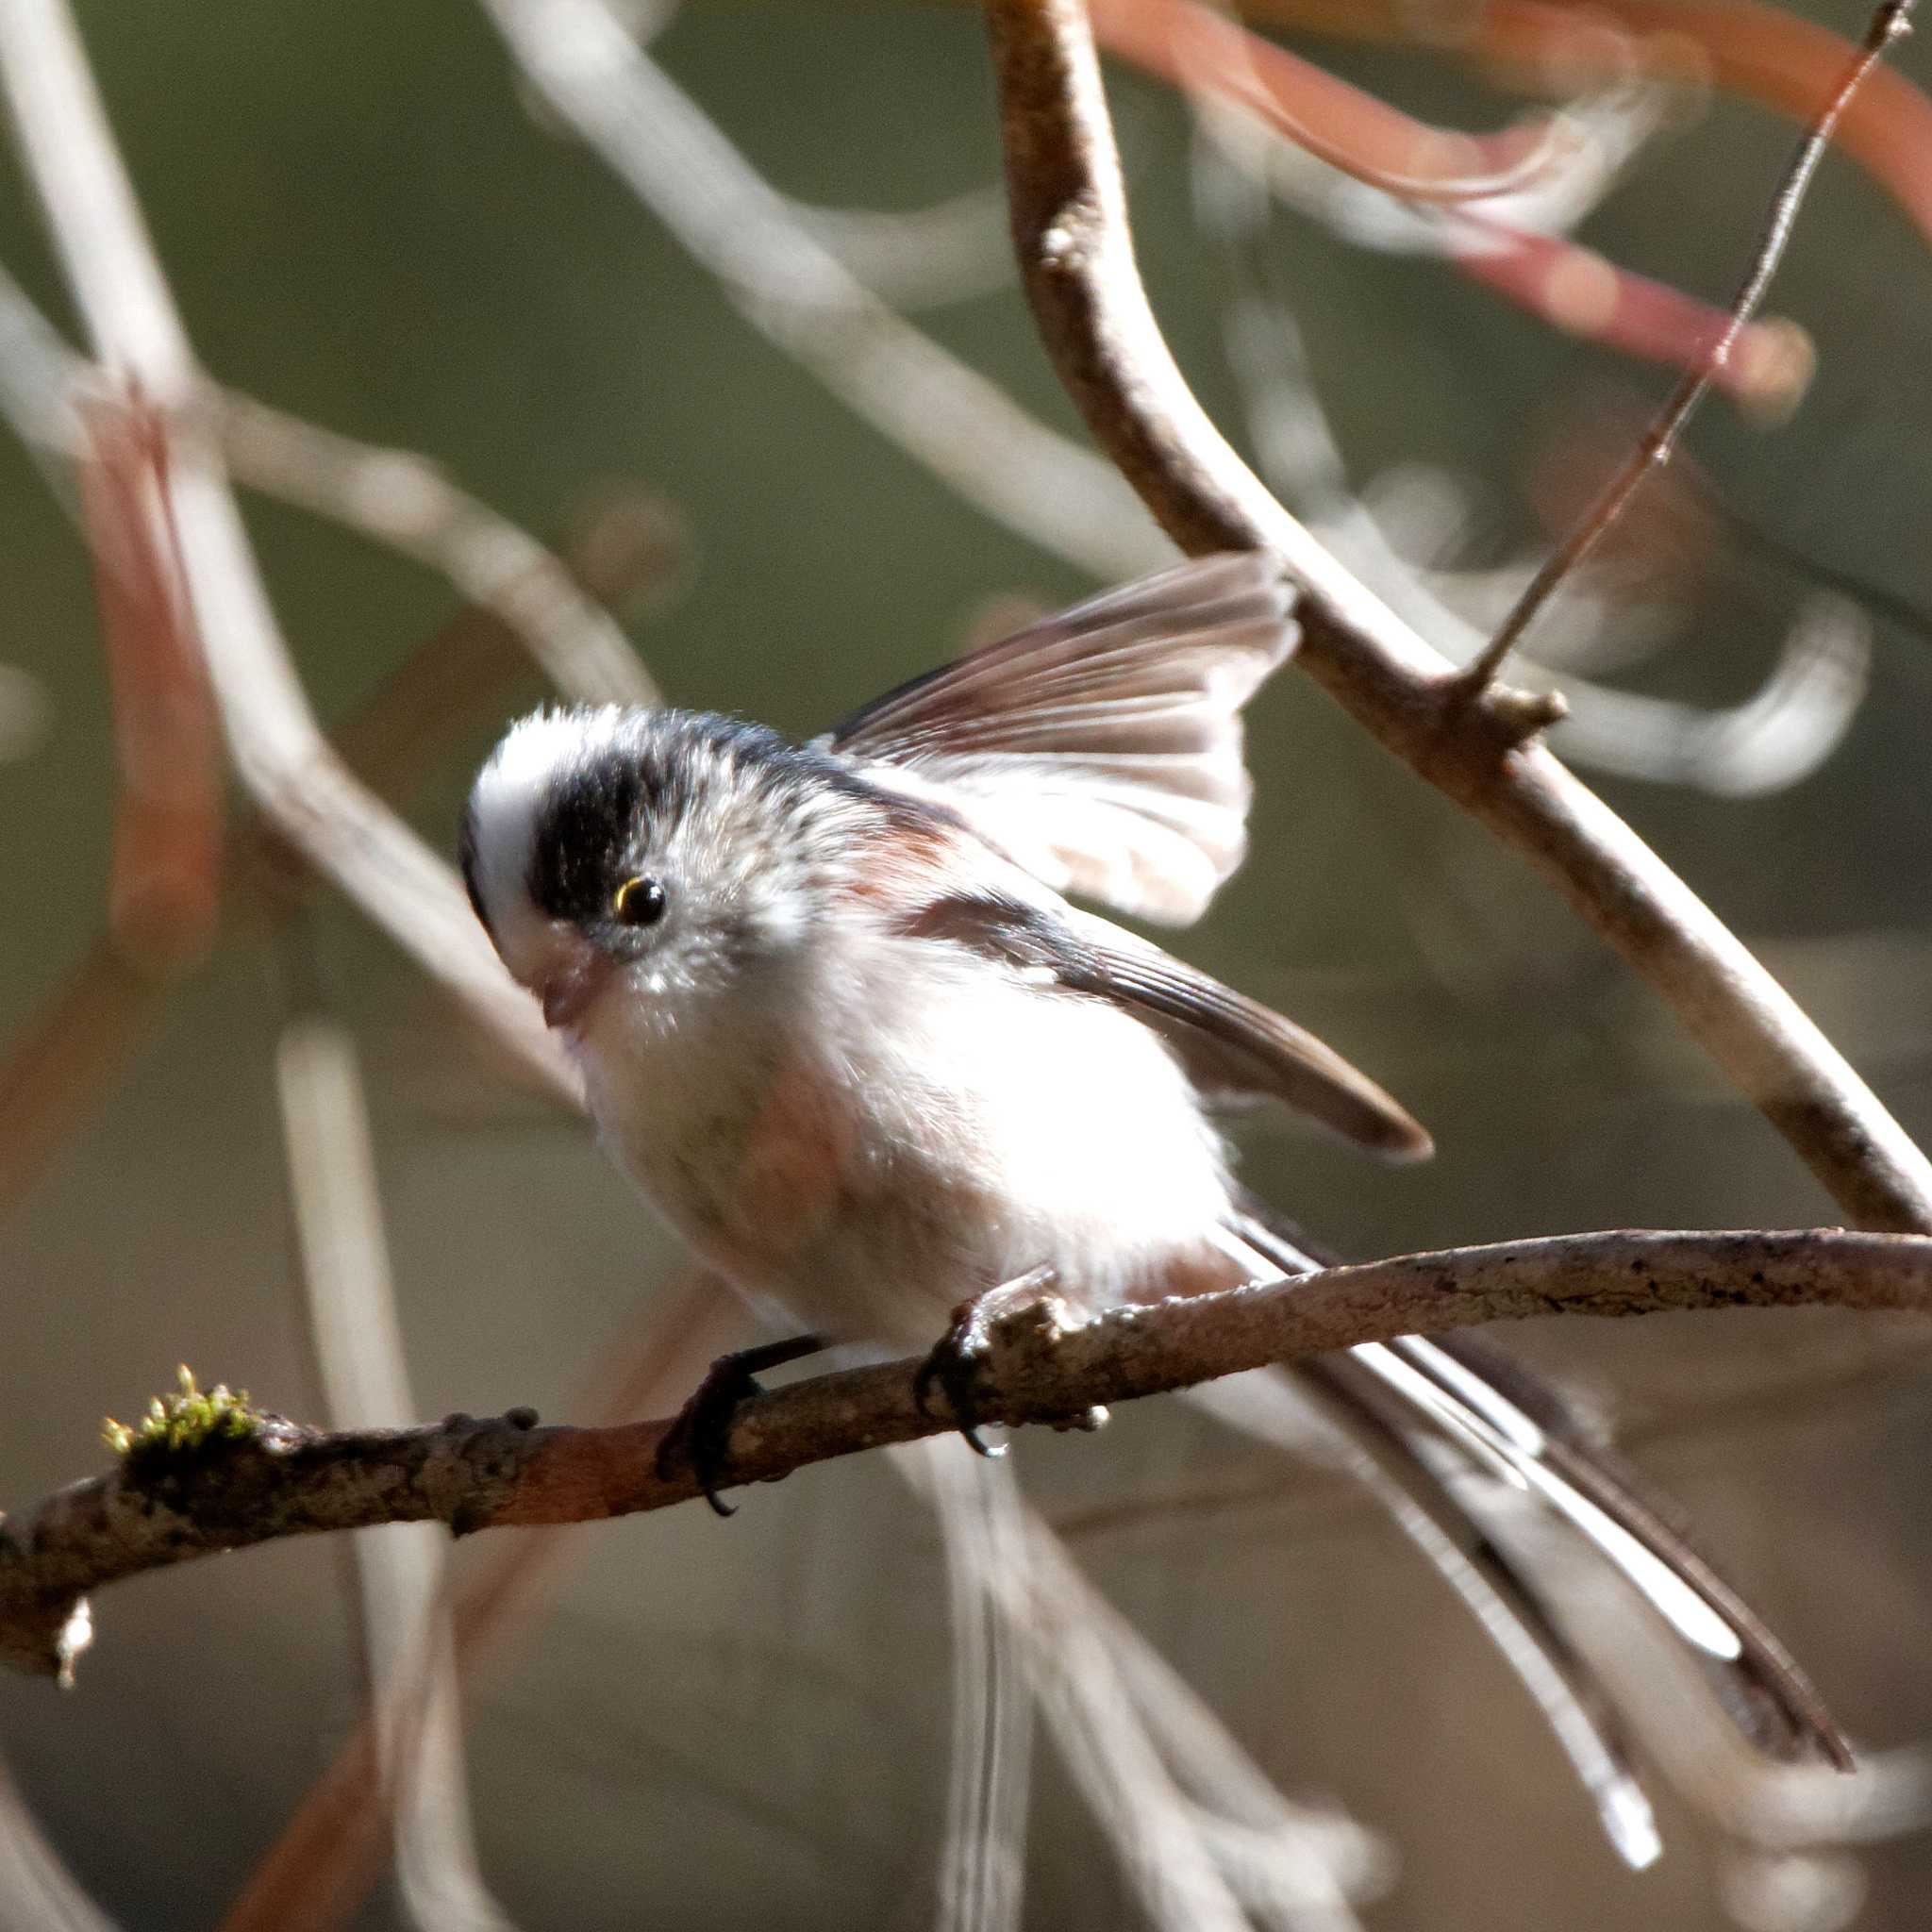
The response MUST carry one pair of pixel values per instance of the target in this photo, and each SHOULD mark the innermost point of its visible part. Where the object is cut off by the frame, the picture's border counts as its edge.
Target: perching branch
(1076, 257)
(1046, 1363)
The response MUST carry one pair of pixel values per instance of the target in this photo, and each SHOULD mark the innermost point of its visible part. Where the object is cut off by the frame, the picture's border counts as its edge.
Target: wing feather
(1234, 1050)
(1101, 749)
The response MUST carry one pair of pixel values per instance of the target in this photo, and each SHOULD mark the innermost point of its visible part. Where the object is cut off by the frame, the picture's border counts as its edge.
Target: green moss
(190, 1418)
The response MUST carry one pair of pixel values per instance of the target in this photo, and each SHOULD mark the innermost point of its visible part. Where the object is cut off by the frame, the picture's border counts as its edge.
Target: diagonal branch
(280, 752)
(1076, 257)
(1890, 23)
(1042, 1364)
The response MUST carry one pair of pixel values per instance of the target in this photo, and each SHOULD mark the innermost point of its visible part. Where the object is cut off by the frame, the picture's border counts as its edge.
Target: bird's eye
(637, 902)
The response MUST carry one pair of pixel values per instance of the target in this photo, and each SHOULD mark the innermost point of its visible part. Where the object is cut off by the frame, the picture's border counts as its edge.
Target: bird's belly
(870, 1191)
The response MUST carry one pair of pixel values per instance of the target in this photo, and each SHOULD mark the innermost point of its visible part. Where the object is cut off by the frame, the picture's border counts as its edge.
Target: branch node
(1522, 714)
(1506, 716)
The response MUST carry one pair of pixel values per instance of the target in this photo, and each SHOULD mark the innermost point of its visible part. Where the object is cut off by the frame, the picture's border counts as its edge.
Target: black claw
(951, 1364)
(954, 1362)
(700, 1438)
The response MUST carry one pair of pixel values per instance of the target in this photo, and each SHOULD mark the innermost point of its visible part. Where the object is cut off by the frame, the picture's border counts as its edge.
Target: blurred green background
(744, 1723)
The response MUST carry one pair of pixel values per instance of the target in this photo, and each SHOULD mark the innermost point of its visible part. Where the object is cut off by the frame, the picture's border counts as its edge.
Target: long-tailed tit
(836, 1019)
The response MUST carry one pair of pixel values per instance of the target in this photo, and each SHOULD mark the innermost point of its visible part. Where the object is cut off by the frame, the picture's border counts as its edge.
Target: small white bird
(837, 1020)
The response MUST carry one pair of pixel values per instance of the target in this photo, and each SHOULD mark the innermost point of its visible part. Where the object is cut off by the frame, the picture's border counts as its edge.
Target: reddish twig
(1351, 130)
(1758, 52)
(461, 676)
(68, 1055)
(1766, 366)
(1076, 257)
(1890, 23)
(1448, 176)
(165, 882)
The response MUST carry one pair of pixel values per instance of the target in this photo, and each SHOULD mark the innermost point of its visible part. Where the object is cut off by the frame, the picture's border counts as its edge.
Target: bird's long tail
(1455, 1435)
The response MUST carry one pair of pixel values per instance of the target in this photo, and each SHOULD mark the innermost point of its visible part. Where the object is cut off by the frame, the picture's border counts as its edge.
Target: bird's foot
(700, 1438)
(956, 1358)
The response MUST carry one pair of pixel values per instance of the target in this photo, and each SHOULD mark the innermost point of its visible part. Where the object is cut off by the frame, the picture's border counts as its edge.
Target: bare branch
(1892, 21)
(330, 1851)
(459, 678)
(1756, 50)
(402, 1599)
(1076, 259)
(407, 501)
(1046, 1363)
(1776, 737)
(788, 283)
(279, 752)
(68, 1054)
(164, 885)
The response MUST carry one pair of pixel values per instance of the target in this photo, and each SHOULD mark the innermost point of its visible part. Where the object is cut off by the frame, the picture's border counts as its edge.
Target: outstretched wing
(1234, 1049)
(1101, 749)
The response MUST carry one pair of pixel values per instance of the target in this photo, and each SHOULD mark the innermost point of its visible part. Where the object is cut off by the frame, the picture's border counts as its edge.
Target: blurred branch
(406, 501)
(531, 607)
(951, 251)
(280, 752)
(165, 883)
(272, 1478)
(1774, 738)
(58, 402)
(459, 678)
(1076, 257)
(1892, 21)
(788, 284)
(1759, 52)
(1516, 241)
(1351, 131)
(328, 1854)
(622, 545)
(981, 1869)
(403, 1609)
(36, 1891)
(68, 1054)
(1184, 1779)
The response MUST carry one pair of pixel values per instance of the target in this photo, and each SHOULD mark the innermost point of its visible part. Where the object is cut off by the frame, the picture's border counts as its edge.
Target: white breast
(872, 1148)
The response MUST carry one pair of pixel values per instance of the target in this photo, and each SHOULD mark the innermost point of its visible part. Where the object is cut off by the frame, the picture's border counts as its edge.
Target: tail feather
(1773, 1700)
(1377, 1450)
(1502, 1419)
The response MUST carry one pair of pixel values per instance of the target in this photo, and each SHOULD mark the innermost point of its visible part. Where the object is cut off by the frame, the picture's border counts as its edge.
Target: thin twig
(401, 1601)
(1044, 1363)
(329, 1851)
(107, 1002)
(165, 882)
(1892, 21)
(1758, 50)
(796, 291)
(1774, 738)
(279, 750)
(1077, 260)
(406, 501)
